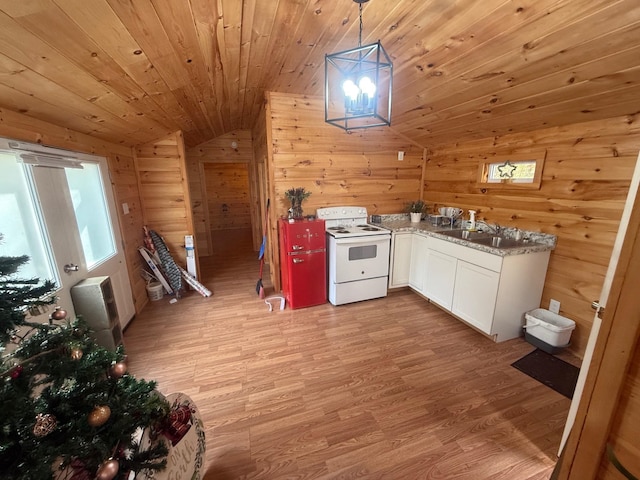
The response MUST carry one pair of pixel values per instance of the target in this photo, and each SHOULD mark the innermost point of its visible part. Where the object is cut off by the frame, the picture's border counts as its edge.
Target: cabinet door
(418, 271)
(476, 290)
(400, 260)
(440, 279)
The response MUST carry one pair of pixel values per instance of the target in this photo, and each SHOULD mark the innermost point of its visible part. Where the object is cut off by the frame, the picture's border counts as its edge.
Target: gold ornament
(99, 416)
(117, 370)
(76, 353)
(45, 424)
(108, 470)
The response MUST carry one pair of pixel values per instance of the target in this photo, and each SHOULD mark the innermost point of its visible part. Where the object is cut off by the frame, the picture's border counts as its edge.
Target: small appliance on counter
(357, 255)
(303, 264)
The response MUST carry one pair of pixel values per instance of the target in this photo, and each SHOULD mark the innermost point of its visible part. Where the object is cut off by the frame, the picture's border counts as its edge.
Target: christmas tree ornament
(118, 369)
(76, 353)
(16, 371)
(59, 314)
(79, 469)
(108, 470)
(45, 424)
(99, 416)
(177, 424)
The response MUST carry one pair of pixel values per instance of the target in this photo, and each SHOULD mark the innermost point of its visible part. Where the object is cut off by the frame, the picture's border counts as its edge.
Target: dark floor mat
(550, 370)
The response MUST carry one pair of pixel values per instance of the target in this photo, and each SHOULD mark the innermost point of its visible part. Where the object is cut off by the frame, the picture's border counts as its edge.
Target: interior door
(598, 398)
(59, 210)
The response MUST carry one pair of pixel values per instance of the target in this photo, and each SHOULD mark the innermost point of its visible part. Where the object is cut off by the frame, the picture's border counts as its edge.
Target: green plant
(296, 196)
(417, 206)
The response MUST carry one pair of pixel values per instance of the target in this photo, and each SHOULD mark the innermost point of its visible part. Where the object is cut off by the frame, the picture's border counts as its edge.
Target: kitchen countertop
(537, 242)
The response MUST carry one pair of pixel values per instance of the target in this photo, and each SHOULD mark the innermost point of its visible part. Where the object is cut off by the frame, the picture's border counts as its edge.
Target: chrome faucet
(494, 229)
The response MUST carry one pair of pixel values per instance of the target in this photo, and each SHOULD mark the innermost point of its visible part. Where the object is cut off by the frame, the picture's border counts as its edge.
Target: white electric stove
(357, 255)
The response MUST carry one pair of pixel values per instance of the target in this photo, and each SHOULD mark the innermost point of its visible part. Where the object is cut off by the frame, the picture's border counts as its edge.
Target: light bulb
(367, 86)
(350, 89)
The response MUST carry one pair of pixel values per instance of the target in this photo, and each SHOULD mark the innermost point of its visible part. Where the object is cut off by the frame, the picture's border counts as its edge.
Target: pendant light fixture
(358, 85)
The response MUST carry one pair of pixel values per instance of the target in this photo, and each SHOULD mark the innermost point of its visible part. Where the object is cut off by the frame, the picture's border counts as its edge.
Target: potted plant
(416, 209)
(296, 197)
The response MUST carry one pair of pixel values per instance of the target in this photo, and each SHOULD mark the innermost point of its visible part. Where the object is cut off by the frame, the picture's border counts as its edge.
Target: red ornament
(59, 314)
(176, 426)
(16, 372)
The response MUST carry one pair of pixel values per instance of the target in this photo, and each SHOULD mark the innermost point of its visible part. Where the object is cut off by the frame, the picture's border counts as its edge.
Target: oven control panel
(331, 213)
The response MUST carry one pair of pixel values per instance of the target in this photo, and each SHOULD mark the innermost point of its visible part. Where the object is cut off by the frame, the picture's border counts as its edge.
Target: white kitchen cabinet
(418, 270)
(440, 278)
(400, 262)
(487, 291)
(476, 292)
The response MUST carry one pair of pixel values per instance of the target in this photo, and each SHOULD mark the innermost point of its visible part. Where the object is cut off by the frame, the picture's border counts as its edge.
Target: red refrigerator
(303, 264)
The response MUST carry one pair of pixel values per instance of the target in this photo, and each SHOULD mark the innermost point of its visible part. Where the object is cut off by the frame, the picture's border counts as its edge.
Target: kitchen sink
(485, 238)
(499, 242)
(464, 234)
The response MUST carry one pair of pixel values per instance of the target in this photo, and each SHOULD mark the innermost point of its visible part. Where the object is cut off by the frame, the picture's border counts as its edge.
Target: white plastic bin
(155, 291)
(549, 327)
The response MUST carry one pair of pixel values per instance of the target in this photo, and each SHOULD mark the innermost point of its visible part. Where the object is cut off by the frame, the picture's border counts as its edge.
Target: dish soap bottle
(471, 226)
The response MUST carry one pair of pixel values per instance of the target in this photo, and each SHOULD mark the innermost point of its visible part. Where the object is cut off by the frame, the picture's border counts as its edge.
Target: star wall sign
(506, 170)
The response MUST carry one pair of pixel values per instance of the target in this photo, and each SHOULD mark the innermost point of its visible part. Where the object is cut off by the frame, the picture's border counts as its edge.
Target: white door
(601, 303)
(58, 208)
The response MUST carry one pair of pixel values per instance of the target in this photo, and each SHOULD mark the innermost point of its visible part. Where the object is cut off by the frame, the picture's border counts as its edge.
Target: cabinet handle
(298, 260)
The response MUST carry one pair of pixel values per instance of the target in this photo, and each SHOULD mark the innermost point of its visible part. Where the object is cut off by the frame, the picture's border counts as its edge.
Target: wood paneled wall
(123, 180)
(359, 168)
(231, 201)
(164, 192)
(228, 202)
(585, 181)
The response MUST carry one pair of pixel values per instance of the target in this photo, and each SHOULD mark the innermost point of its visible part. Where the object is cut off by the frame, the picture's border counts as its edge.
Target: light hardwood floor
(392, 388)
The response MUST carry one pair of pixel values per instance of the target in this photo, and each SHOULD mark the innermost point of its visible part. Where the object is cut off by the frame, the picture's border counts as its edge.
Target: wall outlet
(400, 156)
(125, 208)
(554, 306)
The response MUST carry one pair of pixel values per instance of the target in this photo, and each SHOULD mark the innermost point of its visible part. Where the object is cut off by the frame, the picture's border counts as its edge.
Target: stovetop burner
(343, 222)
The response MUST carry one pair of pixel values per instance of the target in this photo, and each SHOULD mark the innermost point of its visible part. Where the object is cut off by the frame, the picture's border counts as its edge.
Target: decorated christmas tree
(68, 407)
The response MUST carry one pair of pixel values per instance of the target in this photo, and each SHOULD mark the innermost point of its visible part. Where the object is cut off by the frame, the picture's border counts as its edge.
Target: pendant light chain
(360, 33)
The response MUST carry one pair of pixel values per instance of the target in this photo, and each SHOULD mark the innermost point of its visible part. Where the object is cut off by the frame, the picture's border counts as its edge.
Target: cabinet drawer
(468, 254)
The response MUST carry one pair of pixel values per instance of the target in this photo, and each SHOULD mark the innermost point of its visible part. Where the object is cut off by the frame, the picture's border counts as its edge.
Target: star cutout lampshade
(358, 85)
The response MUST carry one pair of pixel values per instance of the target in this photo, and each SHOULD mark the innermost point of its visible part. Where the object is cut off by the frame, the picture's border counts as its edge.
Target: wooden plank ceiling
(130, 71)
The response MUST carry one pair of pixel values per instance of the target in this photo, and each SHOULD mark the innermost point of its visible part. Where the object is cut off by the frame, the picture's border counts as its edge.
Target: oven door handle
(366, 240)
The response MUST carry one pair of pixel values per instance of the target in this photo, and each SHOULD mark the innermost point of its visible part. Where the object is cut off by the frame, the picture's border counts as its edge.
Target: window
(512, 171)
(22, 223)
(92, 216)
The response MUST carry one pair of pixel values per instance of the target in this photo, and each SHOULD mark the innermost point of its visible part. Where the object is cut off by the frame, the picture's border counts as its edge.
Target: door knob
(70, 267)
(598, 308)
